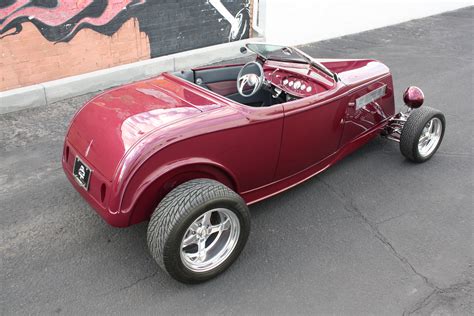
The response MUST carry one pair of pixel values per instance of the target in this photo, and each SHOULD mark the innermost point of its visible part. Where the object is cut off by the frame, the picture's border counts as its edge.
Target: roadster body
(257, 129)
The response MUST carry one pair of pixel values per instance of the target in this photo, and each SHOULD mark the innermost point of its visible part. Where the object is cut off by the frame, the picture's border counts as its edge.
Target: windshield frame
(304, 58)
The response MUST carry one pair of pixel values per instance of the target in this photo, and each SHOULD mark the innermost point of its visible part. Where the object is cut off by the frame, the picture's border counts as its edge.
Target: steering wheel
(248, 80)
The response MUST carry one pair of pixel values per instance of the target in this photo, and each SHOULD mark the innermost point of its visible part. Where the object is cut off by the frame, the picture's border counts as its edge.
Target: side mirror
(243, 50)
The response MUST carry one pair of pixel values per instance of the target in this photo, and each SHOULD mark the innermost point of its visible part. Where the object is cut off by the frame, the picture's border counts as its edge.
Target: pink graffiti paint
(64, 11)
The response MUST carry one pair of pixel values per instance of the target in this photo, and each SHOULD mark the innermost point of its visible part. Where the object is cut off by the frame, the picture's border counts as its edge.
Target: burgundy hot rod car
(190, 150)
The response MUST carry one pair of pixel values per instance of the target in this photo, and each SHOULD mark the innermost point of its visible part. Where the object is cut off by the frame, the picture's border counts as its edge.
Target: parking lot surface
(374, 234)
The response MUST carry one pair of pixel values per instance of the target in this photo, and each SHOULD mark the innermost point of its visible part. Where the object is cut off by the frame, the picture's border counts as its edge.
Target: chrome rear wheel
(198, 230)
(210, 240)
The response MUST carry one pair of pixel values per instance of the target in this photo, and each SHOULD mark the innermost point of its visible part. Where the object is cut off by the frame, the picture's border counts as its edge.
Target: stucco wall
(51, 39)
(303, 21)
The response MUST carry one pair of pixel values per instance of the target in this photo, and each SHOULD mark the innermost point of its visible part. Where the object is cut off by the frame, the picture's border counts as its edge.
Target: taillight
(103, 191)
(66, 154)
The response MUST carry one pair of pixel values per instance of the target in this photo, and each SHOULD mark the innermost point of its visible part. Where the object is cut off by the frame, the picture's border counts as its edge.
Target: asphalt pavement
(374, 234)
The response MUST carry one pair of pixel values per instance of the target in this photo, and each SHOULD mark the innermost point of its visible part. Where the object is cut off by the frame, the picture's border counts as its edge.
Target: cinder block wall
(47, 40)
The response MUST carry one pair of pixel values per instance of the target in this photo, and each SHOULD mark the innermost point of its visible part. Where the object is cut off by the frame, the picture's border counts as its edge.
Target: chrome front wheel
(422, 134)
(430, 137)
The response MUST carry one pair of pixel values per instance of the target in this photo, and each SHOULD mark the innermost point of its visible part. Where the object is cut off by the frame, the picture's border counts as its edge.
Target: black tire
(175, 214)
(412, 130)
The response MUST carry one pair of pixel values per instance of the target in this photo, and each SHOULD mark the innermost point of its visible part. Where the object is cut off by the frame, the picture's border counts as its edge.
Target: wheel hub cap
(210, 240)
(201, 233)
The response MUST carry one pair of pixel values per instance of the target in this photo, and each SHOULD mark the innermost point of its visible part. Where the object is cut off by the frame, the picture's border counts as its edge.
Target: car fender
(162, 153)
(143, 195)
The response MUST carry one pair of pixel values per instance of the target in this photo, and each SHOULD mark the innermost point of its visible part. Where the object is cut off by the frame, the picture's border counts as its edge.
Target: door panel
(223, 87)
(220, 80)
(311, 133)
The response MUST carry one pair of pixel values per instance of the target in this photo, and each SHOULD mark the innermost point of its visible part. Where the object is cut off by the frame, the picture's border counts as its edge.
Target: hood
(110, 124)
(354, 72)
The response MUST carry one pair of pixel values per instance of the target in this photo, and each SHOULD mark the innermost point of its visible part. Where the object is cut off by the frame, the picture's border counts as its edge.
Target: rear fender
(154, 188)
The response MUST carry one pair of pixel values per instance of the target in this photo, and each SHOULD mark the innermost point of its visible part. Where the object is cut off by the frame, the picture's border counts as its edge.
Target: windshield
(284, 53)
(277, 52)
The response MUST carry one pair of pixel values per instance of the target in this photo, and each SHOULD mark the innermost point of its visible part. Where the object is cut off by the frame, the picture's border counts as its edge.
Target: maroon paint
(147, 137)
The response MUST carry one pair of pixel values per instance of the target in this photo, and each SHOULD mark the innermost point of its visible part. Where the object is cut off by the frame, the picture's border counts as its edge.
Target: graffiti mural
(60, 20)
(240, 23)
(42, 40)
(180, 26)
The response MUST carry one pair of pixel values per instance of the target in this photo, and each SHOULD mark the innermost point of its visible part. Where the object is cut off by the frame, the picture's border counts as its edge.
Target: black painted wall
(174, 26)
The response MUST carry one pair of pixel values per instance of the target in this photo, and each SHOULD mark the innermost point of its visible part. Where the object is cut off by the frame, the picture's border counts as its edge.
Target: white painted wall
(302, 21)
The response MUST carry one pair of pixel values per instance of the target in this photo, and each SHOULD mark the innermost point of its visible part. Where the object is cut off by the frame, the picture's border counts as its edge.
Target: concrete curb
(56, 90)
(22, 98)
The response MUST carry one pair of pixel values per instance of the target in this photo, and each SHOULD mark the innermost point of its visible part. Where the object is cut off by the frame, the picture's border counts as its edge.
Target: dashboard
(293, 83)
(297, 85)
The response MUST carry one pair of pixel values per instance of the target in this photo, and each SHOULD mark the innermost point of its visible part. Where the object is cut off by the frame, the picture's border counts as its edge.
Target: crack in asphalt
(351, 208)
(129, 285)
(438, 291)
(68, 302)
(392, 218)
(421, 304)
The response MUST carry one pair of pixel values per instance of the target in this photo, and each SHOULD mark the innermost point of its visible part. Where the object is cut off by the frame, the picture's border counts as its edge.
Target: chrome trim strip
(371, 97)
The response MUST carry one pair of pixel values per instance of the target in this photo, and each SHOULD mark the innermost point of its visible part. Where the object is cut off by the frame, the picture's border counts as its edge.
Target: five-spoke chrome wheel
(198, 230)
(430, 137)
(210, 240)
